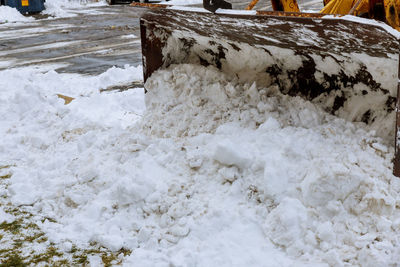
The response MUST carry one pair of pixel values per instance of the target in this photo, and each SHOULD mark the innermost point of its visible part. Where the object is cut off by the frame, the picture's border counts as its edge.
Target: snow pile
(9, 14)
(322, 187)
(202, 105)
(215, 173)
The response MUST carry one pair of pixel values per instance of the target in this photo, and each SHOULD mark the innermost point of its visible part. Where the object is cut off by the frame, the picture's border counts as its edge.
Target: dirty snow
(9, 14)
(213, 172)
(71, 8)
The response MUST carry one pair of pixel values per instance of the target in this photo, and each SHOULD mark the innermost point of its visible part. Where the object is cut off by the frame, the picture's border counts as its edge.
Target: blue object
(26, 6)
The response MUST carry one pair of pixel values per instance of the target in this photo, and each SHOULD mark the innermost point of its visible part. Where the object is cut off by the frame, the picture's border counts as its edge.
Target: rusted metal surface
(331, 35)
(151, 46)
(174, 37)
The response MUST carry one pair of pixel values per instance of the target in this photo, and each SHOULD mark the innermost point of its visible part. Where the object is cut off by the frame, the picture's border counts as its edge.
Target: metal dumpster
(25, 6)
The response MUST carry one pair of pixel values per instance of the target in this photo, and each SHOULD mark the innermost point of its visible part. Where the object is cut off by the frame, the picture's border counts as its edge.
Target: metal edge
(396, 159)
(151, 51)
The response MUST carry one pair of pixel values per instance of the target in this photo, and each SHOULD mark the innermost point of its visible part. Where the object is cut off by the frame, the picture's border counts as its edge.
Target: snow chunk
(228, 154)
(6, 217)
(287, 225)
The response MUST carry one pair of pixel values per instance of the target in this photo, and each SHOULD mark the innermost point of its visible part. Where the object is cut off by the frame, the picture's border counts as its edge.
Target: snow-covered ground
(201, 171)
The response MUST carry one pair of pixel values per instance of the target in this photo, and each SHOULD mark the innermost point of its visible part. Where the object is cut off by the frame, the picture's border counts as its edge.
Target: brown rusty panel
(303, 35)
(151, 50)
(282, 31)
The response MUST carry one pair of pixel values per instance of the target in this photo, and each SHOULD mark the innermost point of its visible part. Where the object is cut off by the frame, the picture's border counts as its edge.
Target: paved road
(89, 43)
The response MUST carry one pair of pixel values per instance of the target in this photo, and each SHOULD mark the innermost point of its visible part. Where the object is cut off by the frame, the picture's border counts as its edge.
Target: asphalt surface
(90, 43)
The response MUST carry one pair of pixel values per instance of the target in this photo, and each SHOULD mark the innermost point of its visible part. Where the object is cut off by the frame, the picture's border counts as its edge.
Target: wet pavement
(89, 43)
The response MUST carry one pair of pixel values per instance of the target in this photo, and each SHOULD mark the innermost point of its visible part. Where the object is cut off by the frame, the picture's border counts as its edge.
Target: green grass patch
(21, 245)
(47, 256)
(17, 212)
(13, 260)
(109, 259)
(34, 237)
(80, 259)
(5, 251)
(7, 176)
(13, 227)
(49, 219)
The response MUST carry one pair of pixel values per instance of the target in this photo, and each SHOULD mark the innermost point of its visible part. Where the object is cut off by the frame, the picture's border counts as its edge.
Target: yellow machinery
(384, 10)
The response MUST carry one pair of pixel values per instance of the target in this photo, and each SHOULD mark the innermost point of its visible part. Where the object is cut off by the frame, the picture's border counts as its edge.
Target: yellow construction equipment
(384, 10)
(279, 5)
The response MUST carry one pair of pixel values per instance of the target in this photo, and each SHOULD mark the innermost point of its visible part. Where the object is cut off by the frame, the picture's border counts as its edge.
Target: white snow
(9, 14)
(319, 184)
(70, 8)
(6, 217)
(213, 173)
(184, 2)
